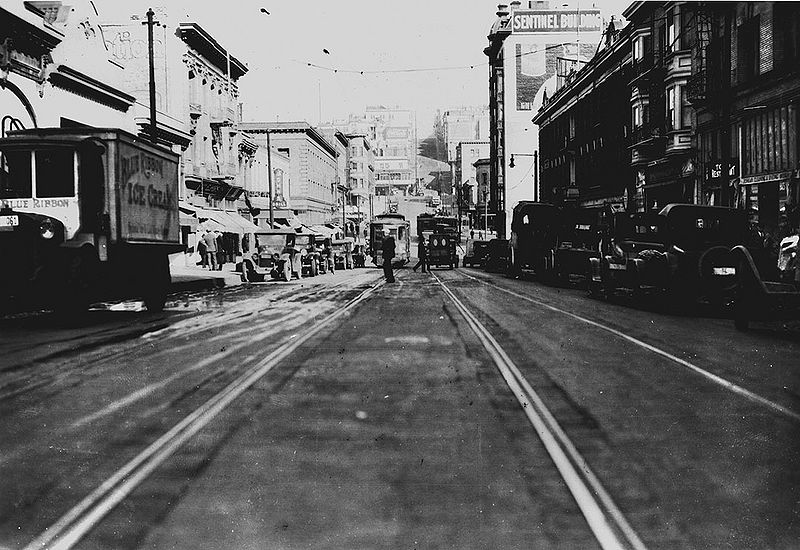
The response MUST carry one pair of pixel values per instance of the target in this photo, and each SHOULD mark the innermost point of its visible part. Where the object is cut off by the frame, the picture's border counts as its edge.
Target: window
(673, 30)
(638, 49)
(55, 173)
(672, 107)
(636, 116)
(747, 49)
(15, 176)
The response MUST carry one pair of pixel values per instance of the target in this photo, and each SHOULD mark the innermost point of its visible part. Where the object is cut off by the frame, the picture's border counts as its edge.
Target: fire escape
(698, 84)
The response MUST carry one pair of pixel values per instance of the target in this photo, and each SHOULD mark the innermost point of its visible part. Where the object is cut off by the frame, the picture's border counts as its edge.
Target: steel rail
(83, 517)
(710, 376)
(608, 524)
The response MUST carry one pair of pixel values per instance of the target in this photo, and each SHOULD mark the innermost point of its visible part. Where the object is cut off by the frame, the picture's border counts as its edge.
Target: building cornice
(83, 85)
(202, 42)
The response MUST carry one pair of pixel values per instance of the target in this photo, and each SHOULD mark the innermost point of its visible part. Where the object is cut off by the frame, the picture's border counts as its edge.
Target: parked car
(534, 237)
(476, 253)
(342, 253)
(685, 253)
(630, 245)
(497, 256)
(577, 241)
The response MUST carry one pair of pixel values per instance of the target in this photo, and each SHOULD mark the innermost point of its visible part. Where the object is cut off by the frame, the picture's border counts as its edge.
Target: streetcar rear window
(15, 175)
(55, 173)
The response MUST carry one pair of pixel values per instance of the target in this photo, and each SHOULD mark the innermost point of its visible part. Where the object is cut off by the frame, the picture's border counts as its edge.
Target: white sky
(361, 35)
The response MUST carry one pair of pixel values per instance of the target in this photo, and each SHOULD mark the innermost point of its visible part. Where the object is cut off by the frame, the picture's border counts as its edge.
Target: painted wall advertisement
(539, 51)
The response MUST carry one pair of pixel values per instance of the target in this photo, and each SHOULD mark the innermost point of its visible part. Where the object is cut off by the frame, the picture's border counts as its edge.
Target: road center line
(730, 386)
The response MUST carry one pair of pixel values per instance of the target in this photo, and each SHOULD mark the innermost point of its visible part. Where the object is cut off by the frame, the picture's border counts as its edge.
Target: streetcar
(431, 223)
(399, 228)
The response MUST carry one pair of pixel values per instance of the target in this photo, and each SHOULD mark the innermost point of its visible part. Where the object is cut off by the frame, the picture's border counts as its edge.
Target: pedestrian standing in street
(387, 250)
(422, 254)
(201, 250)
(220, 249)
(211, 249)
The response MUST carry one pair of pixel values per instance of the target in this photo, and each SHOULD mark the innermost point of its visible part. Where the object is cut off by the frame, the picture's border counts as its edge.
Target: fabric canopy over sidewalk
(231, 222)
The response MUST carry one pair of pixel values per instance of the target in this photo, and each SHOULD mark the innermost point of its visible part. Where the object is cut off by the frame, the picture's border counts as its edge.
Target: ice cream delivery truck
(85, 214)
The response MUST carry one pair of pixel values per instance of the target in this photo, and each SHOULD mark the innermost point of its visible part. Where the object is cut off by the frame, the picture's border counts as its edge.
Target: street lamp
(535, 156)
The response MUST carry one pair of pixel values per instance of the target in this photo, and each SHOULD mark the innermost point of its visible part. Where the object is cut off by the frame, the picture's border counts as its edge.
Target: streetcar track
(196, 324)
(83, 517)
(609, 526)
(709, 376)
(291, 321)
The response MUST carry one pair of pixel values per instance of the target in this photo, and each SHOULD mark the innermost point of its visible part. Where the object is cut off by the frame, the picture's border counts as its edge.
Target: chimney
(502, 10)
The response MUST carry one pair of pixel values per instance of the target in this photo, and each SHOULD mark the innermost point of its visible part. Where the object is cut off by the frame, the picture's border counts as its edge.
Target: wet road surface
(450, 410)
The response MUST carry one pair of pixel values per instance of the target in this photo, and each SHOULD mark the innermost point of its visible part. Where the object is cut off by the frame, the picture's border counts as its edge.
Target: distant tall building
(529, 46)
(464, 124)
(392, 134)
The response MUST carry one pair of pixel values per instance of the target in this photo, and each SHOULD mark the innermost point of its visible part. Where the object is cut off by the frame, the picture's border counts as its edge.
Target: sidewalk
(188, 278)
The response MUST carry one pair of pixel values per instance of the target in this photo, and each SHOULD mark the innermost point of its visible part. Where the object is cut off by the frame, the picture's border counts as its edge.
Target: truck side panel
(147, 195)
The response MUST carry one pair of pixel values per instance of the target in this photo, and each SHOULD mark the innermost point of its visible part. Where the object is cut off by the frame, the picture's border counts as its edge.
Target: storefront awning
(232, 222)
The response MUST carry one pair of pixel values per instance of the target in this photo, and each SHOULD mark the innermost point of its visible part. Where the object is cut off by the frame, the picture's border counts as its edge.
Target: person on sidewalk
(211, 249)
(220, 250)
(387, 252)
(201, 251)
(422, 254)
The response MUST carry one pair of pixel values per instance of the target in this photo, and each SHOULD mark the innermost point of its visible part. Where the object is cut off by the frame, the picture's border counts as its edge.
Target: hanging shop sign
(765, 178)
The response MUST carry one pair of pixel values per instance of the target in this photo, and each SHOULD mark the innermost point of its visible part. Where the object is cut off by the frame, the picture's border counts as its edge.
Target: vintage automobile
(757, 299)
(359, 255)
(274, 250)
(685, 255)
(576, 242)
(342, 253)
(534, 237)
(308, 259)
(442, 250)
(476, 253)
(630, 244)
(498, 256)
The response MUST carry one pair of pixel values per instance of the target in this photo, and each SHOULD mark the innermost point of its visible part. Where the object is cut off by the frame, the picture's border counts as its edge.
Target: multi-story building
(55, 70)
(528, 48)
(663, 36)
(481, 217)
(464, 124)
(395, 149)
(312, 167)
(341, 143)
(362, 175)
(583, 129)
(198, 114)
(467, 152)
(746, 90)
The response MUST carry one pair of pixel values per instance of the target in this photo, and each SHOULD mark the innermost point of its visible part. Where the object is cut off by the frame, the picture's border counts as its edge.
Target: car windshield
(640, 228)
(270, 241)
(15, 175)
(697, 229)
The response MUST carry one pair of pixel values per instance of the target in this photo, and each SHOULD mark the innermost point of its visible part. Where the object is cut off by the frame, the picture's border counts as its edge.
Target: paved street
(457, 409)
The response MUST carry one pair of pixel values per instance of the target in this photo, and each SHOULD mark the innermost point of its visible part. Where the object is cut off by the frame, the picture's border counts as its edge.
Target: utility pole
(269, 178)
(150, 22)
